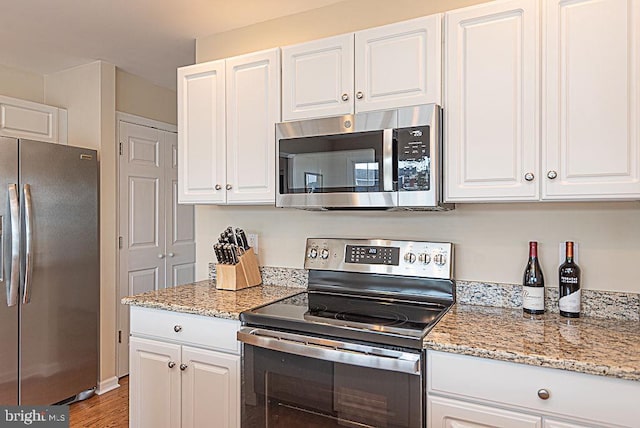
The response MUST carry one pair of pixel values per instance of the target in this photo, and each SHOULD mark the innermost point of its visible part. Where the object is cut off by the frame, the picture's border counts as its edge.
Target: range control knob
(439, 259)
(424, 258)
(410, 258)
(324, 253)
(313, 253)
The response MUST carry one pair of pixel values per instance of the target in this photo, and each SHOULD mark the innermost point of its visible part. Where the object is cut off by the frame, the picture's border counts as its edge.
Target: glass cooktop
(367, 319)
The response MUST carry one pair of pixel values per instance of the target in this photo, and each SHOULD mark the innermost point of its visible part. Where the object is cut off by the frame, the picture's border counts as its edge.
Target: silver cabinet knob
(218, 187)
(161, 256)
(529, 176)
(171, 255)
(183, 367)
(171, 364)
(543, 394)
(552, 174)
(345, 97)
(177, 328)
(228, 186)
(359, 95)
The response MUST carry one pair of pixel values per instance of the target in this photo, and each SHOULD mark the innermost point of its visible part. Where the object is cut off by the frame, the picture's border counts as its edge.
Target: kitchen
(490, 238)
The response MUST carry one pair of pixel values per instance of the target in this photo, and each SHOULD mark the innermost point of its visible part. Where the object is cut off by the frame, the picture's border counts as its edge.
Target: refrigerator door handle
(28, 226)
(14, 281)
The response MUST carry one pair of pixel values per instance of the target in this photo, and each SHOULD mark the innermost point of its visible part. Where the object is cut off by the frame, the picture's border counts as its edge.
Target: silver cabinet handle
(183, 367)
(14, 280)
(170, 254)
(345, 97)
(171, 364)
(161, 256)
(552, 174)
(228, 186)
(28, 226)
(177, 328)
(543, 394)
(529, 176)
(359, 95)
(218, 187)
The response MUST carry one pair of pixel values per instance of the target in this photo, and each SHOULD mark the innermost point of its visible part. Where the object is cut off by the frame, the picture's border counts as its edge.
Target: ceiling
(149, 38)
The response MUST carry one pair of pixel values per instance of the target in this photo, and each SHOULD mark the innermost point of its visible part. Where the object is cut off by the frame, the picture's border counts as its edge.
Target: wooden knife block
(243, 275)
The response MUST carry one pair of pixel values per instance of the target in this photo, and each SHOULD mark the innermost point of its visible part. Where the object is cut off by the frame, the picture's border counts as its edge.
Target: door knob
(170, 254)
(177, 328)
(529, 176)
(183, 367)
(218, 187)
(161, 256)
(359, 95)
(171, 364)
(543, 394)
(552, 174)
(345, 97)
(228, 186)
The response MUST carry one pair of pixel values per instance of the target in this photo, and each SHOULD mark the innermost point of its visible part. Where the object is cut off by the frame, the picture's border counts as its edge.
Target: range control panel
(411, 258)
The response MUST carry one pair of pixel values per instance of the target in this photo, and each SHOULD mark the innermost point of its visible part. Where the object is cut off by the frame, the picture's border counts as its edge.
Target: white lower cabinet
(466, 391)
(184, 371)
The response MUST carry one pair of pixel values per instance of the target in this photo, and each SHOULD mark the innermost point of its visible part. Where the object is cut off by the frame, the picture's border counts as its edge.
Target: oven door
(293, 380)
(342, 162)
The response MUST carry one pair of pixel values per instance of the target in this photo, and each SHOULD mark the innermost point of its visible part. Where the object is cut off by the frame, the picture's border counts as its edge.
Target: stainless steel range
(348, 352)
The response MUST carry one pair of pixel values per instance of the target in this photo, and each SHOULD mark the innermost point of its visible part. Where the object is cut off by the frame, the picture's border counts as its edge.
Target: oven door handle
(330, 350)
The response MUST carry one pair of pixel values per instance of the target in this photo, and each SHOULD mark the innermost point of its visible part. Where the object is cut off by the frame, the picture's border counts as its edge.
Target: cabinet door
(34, 121)
(154, 386)
(201, 133)
(253, 108)
(592, 75)
(399, 64)
(492, 102)
(447, 413)
(317, 78)
(551, 423)
(210, 389)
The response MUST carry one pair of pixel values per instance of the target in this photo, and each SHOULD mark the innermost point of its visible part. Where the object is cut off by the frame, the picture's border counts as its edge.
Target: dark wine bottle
(569, 274)
(533, 284)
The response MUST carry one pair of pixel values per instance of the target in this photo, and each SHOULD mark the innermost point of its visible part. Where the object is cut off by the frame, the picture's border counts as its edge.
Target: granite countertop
(587, 345)
(202, 298)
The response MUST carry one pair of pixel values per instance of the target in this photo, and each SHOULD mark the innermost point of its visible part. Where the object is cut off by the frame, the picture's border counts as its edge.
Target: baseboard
(107, 385)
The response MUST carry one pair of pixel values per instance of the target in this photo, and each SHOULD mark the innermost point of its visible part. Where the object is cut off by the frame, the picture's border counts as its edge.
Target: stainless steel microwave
(389, 159)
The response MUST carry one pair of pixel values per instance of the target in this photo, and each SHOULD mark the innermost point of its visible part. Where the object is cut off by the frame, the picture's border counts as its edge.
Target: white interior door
(156, 234)
(180, 247)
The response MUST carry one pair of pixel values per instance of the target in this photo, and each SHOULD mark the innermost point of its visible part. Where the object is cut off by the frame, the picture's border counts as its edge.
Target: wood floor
(103, 411)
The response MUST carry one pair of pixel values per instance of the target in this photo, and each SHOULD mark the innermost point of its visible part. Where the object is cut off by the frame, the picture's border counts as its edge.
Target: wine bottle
(533, 284)
(569, 274)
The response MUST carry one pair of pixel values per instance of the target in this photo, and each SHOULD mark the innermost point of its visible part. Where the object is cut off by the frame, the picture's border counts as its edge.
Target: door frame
(150, 123)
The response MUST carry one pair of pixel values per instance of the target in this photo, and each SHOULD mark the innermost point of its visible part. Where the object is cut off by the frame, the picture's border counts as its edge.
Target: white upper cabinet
(592, 74)
(381, 68)
(253, 108)
(227, 111)
(492, 102)
(34, 121)
(399, 64)
(201, 133)
(317, 78)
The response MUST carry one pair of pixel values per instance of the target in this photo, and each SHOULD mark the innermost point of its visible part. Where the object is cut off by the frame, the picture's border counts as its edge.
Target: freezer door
(60, 296)
(8, 306)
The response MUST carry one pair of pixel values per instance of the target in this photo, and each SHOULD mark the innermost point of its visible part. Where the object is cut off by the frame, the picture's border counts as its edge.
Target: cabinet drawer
(201, 331)
(595, 398)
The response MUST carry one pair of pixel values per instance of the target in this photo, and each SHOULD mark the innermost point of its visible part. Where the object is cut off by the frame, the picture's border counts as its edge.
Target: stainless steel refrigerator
(49, 266)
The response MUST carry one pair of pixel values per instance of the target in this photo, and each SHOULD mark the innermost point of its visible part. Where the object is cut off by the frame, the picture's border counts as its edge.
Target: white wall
(88, 94)
(491, 239)
(21, 84)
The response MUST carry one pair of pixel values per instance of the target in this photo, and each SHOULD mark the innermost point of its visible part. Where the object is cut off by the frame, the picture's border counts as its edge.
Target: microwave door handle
(387, 160)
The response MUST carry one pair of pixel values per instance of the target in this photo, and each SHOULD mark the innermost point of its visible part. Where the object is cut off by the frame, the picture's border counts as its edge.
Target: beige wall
(331, 20)
(88, 94)
(21, 84)
(491, 239)
(135, 95)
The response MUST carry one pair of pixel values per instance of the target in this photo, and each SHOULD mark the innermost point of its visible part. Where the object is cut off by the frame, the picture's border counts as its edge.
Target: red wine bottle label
(533, 298)
(570, 303)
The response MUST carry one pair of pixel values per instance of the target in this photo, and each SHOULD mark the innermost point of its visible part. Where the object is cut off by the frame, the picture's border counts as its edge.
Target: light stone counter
(588, 345)
(202, 298)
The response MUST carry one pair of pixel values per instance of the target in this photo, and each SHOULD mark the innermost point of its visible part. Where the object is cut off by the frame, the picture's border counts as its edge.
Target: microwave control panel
(414, 166)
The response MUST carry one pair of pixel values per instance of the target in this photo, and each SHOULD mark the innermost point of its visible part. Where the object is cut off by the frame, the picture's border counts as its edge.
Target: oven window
(285, 390)
(331, 163)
